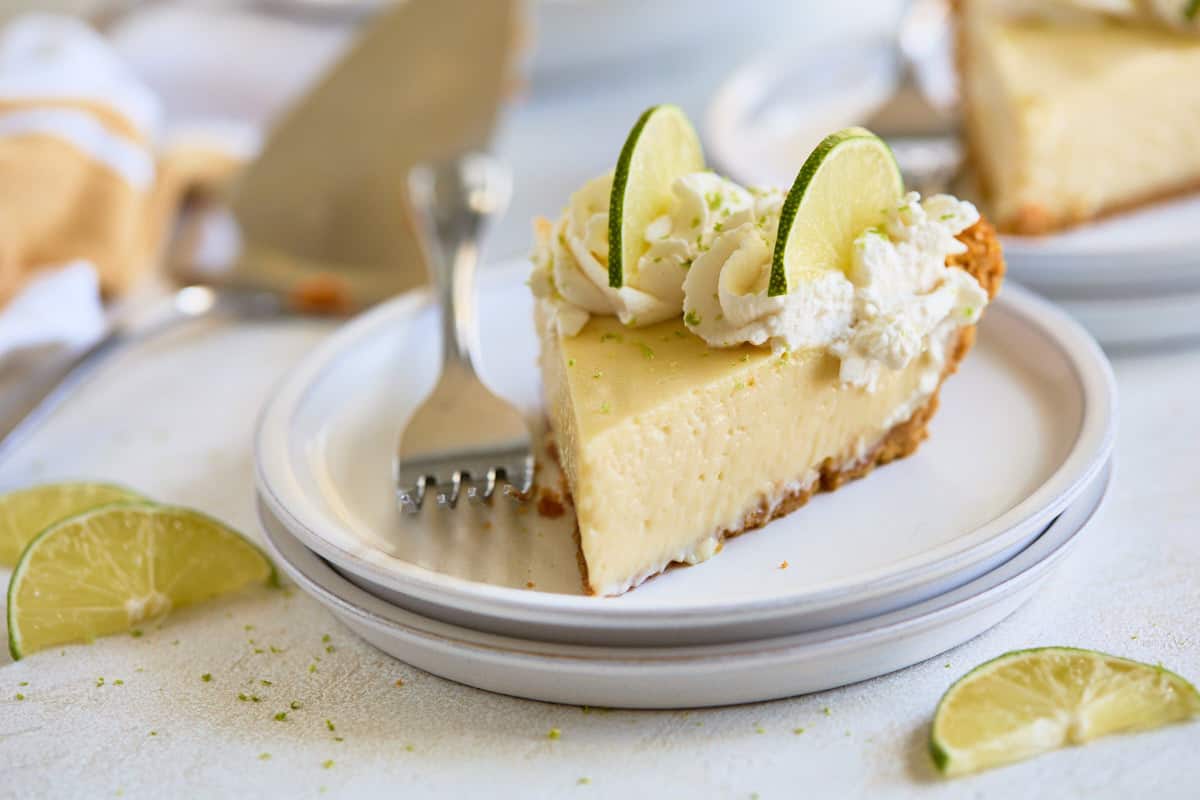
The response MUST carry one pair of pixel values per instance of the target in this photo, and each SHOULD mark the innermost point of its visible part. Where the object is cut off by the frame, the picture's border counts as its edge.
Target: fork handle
(451, 202)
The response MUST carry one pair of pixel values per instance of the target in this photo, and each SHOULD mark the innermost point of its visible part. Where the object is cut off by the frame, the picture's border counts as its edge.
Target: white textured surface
(174, 418)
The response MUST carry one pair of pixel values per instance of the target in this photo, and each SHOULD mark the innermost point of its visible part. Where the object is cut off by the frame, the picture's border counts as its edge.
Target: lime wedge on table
(662, 146)
(1029, 702)
(843, 189)
(109, 569)
(27, 512)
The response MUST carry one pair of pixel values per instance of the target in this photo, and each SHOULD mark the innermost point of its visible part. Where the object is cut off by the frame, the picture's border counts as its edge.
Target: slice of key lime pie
(713, 355)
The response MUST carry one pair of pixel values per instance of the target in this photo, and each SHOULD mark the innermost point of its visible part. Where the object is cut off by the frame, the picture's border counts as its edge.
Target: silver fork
(462, 436)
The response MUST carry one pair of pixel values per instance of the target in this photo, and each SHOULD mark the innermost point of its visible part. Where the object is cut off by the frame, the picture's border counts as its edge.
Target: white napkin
(60, 306)
(55, 58)
(48, 62)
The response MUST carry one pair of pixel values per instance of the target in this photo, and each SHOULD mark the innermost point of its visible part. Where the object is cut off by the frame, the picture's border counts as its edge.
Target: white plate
(1139, 322)
(1023, 428)
(680, 677)
(767, 116)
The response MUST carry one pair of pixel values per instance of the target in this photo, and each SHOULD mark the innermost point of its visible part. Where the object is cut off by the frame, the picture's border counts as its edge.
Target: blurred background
(590, 66)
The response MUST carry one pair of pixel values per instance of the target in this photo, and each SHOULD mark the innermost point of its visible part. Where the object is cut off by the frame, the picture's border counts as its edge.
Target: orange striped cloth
(83, 175)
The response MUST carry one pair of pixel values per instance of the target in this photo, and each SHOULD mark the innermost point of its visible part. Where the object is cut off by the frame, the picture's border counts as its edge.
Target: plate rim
(1088, 454)
(1042, 554)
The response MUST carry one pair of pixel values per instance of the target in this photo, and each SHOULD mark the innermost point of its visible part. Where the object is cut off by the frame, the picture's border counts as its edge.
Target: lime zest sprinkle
(691, 318)
(118, 682)
(695, 222)
(242, 696)
(264, 756)
(247, 628)
(274, 649)
(265, 682)
(294, 705)
(325, 638)
(570, 363)
(554, 733)
(826, 711)
(759, 729)
(327, 763)
(409, 748)
(206, 677)
(154, 733)
(136, 633)
(647, 351)
(99, 681)
(605, 408)
(312, 668)
(584, 781)
(20, 696)
(23, 683)
(281, 716)
(609, 336)
(797, 731)
(329, 724)
(329, 648)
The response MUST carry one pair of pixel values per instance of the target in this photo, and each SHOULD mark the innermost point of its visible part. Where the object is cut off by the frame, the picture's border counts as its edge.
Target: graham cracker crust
(984, 260)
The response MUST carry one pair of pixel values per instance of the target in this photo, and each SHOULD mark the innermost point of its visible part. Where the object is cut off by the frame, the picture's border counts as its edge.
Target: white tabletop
(173, 418)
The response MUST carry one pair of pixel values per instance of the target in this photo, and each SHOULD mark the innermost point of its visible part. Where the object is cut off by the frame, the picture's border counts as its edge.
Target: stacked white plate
(1133, 279)
(885, 572)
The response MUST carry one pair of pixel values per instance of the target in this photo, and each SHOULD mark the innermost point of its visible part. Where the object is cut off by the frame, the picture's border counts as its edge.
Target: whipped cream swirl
(882, 313)
(571, 254)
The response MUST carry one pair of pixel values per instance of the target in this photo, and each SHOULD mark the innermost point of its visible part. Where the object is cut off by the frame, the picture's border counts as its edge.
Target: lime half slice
(27, 512)
(845, 186)
(662, 146)
(112, 568)
(1029, 702)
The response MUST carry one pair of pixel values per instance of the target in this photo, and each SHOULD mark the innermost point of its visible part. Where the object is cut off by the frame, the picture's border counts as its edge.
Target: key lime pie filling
(762, 345)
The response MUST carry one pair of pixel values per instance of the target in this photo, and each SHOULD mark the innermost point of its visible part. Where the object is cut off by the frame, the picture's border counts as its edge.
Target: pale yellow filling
(1073, 121)
(667, 442)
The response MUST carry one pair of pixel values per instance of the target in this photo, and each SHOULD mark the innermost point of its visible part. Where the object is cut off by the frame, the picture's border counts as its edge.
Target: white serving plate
(1138, 322)
(972, 497)
(683, 677)
(765, 118)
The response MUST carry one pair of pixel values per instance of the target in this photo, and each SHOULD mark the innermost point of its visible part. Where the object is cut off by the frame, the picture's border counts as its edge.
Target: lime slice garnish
(27, 512)
(845, 187)
(662, 146)
(109, 569)
(1029, 702)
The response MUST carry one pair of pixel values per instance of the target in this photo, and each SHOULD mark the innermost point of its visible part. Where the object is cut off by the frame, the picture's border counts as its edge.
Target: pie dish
(682, 421)
(1074, 109)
